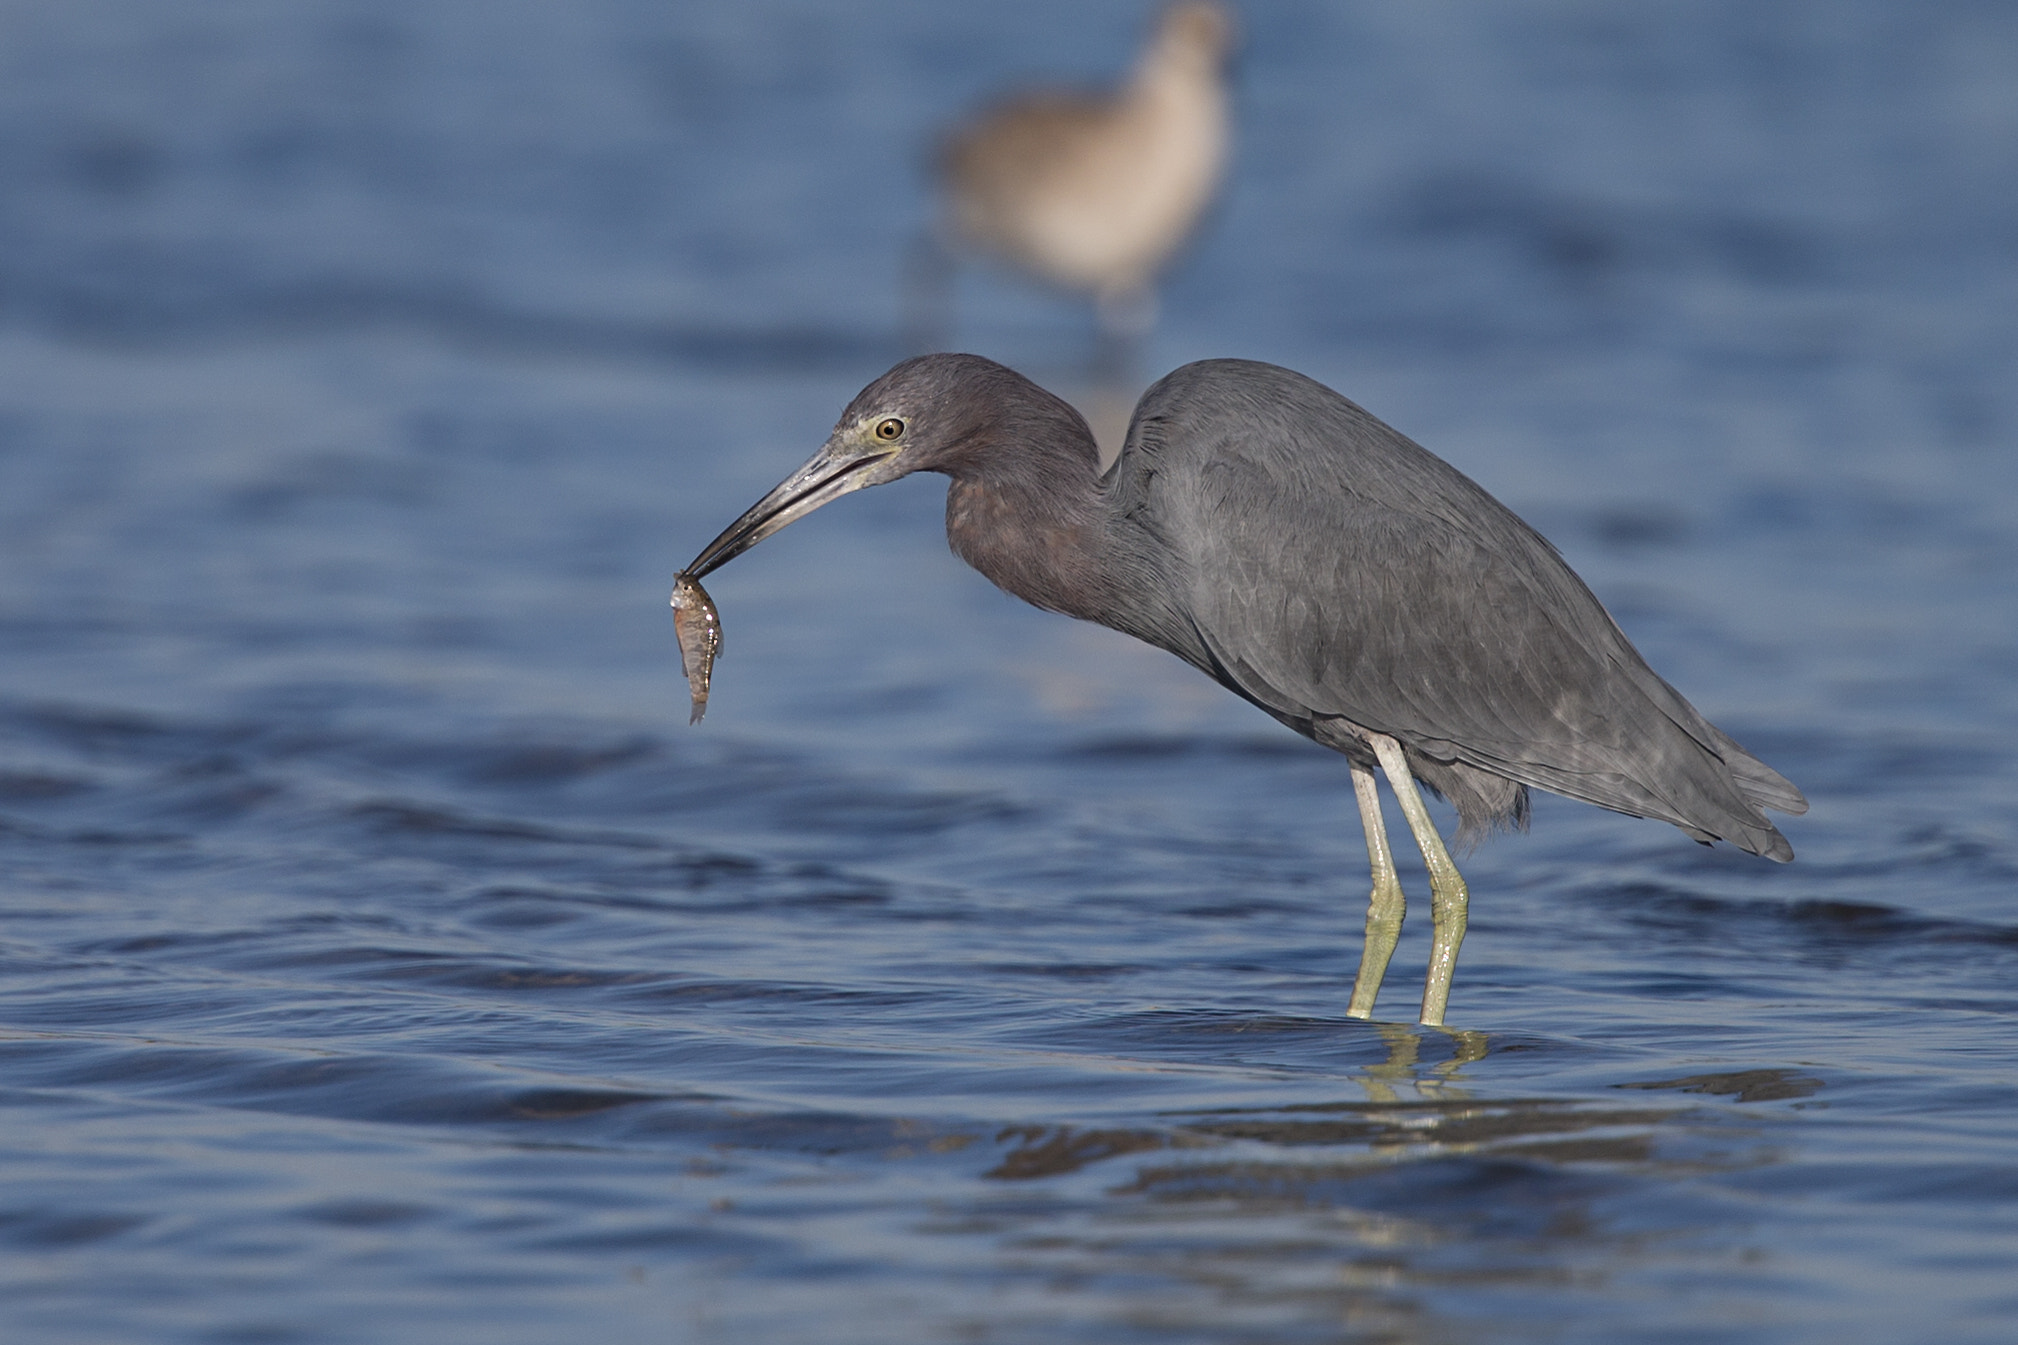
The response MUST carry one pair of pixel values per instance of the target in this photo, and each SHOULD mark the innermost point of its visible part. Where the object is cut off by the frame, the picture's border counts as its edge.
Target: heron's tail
(1756, 780)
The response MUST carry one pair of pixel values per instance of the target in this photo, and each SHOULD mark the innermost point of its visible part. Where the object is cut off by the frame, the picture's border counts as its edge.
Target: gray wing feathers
(1334, 568)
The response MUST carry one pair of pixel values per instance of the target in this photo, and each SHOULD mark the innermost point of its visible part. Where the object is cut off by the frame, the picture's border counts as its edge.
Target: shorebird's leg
(1126, 314)
(929, 268)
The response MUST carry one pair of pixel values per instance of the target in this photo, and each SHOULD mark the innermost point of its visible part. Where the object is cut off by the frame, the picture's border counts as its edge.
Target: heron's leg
(1384, 910)
(1448, 896)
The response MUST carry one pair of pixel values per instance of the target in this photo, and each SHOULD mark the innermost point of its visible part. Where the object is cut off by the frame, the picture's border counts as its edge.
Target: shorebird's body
(1095, 193)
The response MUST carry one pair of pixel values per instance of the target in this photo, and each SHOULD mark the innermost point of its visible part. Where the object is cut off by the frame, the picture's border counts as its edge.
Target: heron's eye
(889, 429)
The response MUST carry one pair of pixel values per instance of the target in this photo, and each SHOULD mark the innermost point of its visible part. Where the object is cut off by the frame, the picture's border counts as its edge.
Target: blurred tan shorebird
(1093, 193)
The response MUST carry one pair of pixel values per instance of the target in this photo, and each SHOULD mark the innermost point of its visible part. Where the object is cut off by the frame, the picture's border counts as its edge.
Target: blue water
(382, 958)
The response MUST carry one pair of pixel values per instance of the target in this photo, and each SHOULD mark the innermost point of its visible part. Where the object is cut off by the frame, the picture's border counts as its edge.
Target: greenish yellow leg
(1384, 910)
(1448, 895)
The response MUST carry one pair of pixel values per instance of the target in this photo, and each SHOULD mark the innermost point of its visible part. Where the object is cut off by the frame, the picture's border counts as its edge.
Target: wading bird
(1325, 568)
(1094, 193)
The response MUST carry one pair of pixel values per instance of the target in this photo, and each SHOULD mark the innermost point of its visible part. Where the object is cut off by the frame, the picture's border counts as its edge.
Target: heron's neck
(1031, 516)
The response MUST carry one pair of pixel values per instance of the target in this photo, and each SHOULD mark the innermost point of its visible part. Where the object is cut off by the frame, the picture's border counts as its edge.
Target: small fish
(699, 628)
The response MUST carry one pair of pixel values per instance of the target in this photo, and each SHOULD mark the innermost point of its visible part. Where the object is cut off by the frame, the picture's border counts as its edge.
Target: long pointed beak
(826, 478)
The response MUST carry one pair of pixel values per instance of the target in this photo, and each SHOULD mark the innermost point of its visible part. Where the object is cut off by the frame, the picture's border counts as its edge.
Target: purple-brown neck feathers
(1025, 506)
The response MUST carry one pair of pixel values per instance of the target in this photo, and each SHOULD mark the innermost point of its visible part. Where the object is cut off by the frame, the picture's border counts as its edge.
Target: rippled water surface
(382, 958)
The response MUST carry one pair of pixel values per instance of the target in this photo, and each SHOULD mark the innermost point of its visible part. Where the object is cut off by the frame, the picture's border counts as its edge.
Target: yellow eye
(889, 429)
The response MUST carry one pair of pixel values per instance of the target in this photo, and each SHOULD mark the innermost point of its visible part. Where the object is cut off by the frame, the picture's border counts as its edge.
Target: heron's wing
(1333, 568)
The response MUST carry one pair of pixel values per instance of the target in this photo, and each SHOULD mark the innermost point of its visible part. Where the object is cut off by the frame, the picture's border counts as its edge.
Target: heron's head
(935, 413)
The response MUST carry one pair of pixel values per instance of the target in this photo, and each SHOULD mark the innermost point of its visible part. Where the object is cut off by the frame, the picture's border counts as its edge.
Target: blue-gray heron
(1325, 568)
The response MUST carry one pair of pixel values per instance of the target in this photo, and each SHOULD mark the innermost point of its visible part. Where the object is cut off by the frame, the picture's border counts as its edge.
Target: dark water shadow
(1746, 1085)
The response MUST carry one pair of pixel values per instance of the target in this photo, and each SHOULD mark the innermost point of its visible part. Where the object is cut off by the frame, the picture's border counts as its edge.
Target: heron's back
(1343, 577)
